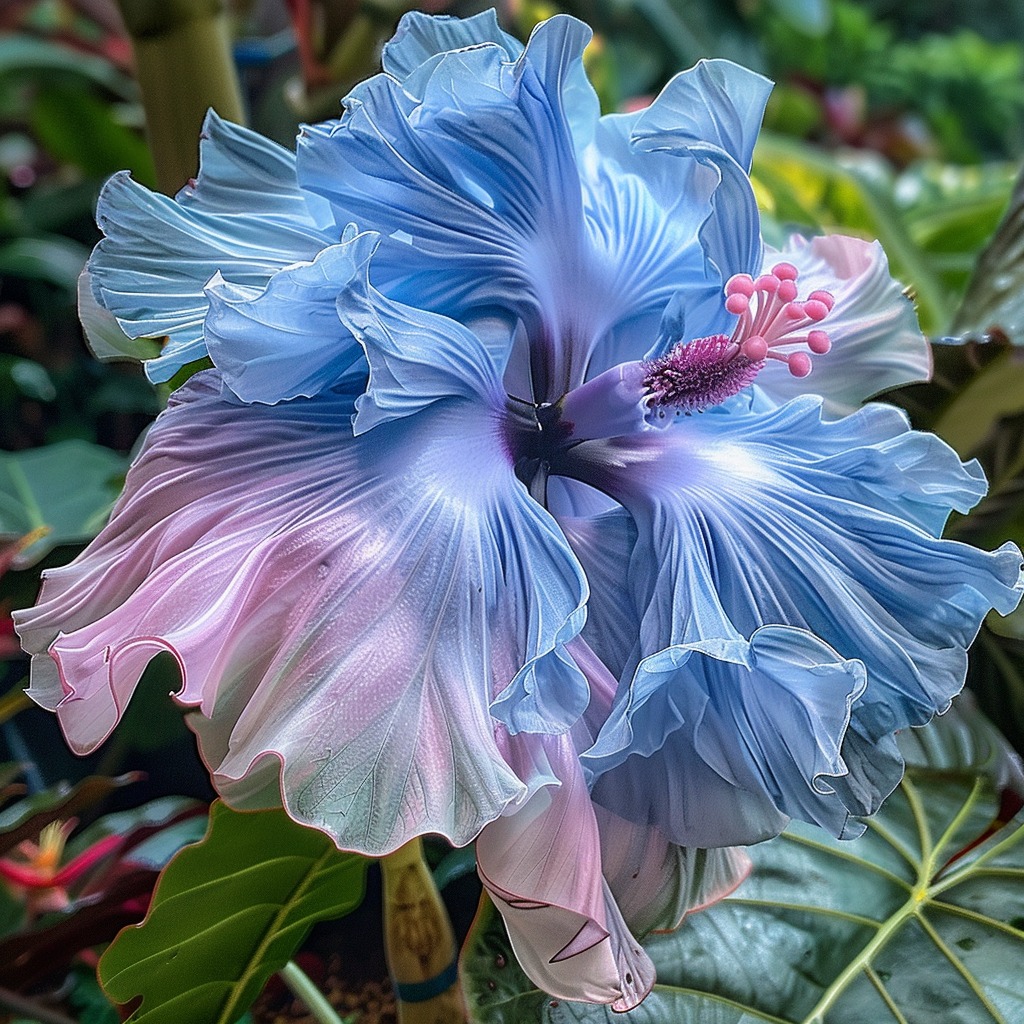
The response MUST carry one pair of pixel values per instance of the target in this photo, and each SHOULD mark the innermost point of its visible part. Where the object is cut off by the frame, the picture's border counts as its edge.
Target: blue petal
(721, 742)
(415, 357)
(747, 519)
(236, 165)
(712, 113)
(287, 340)
(343, 609)
(469, 169)
(715, 108)
(422, 36)
(645, 210)
(243, 217)
(604, 545)
(556, 48)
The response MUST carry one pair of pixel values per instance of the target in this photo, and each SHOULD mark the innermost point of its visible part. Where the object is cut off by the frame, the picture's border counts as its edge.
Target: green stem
(302, 986)
(184, 66)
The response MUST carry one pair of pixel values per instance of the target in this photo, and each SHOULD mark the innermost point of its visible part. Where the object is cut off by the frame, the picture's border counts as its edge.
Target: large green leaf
(227, 914)
(994, 303)
(918, 922)
(67, 488)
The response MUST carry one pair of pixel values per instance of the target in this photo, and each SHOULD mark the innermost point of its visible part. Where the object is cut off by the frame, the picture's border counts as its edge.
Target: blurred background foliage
(902, 121)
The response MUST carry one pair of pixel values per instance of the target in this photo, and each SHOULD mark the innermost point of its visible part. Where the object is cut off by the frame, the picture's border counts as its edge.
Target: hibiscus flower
(530, 499)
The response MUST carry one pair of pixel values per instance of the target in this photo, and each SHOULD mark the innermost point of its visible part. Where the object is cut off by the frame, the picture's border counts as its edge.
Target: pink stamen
(799, 364)
(740, 284)
(755, 348)
(819, 342)
(772, 323)
(775, 322)
(787, 290)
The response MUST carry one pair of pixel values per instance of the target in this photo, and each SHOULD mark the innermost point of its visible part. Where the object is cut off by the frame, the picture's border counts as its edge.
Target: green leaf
(79, 129)
(28, 817)
(88, 1000)
(996, 392)
(996, 677)
(26, 379)
(27, 55)
(1011, 625)
(55, 260)
(227, 914)
(67, 487)
(919, 921)
(153, 831)
(994, 303)
(812, 17)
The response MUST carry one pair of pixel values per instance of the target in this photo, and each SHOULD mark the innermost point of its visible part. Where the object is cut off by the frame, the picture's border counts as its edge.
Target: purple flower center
(699, 374)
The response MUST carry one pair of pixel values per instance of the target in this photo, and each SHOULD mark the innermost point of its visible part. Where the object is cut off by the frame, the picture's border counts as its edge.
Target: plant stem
(419, 941)
(184, 66)
(301, 985)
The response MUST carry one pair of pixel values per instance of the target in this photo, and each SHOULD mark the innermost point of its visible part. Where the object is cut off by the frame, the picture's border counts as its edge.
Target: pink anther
(740, 284)
(814, 308)
(799, 364)
(819, 342)
(755, 348)
(774, 323)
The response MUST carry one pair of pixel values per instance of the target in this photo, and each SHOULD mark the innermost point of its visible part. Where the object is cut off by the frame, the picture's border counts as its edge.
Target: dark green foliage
(918, 921)
(227, 914)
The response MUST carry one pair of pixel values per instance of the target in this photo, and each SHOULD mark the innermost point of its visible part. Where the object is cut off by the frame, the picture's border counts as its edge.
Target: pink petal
(656, 883)
(542, 867)
(876, 341)
(343, 610)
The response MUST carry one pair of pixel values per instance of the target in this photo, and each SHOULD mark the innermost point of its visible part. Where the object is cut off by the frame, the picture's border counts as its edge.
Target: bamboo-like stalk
(184, 66)
(419, 941)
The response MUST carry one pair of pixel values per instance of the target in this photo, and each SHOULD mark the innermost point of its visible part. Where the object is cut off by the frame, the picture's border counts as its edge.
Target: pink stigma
(772, 324)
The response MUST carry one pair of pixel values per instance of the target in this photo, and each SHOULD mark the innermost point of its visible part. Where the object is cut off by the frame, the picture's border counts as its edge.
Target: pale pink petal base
(343, 610)
(542, 868)
(876, 341)
(656, 883)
